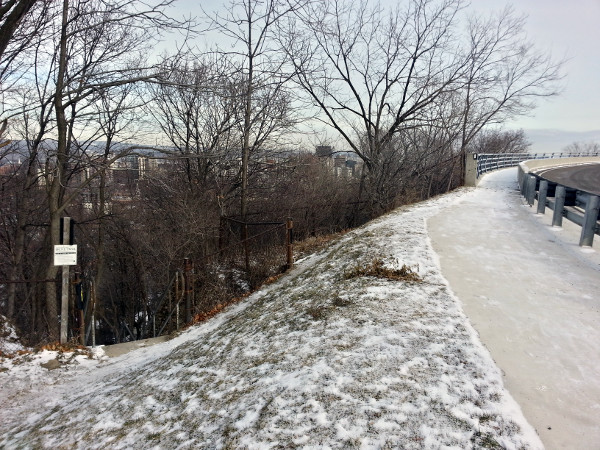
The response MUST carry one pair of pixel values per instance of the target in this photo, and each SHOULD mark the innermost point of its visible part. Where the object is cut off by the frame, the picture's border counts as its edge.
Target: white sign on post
(65, 255)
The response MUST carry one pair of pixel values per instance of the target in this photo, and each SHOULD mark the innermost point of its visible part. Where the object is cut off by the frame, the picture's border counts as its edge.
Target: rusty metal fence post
(189, 288)
(245, 240)
(289, 239)
(177, 298)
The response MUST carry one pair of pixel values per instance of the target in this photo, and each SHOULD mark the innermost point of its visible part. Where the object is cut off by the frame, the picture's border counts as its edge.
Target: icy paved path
(534, 297)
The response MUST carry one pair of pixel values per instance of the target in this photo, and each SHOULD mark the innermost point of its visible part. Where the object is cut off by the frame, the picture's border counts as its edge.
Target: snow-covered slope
(314, 360)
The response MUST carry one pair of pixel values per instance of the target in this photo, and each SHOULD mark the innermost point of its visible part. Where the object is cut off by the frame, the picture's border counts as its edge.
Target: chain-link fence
(9, 340)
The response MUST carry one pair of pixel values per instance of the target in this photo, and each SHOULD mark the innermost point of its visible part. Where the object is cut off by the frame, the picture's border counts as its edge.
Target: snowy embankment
(314, 360)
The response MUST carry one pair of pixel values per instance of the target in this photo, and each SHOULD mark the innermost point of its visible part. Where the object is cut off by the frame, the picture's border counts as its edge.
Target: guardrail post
(559, 205)
(542, 194)
(589, 221)
(522, 182)
(530, 189)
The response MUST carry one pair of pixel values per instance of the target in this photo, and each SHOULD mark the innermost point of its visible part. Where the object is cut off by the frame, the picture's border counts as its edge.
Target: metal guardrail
(486, 162)
(579, 207)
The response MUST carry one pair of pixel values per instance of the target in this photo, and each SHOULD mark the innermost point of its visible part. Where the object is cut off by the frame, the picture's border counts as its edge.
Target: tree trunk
(56, 186)
(247, 125)
(12, 21)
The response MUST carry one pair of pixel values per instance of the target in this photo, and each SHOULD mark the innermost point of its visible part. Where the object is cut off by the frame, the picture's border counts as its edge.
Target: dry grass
(378, 269)
(313, 244)
(63, 348)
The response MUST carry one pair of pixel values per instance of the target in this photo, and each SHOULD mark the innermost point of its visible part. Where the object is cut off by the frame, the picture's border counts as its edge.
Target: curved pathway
(532, 295)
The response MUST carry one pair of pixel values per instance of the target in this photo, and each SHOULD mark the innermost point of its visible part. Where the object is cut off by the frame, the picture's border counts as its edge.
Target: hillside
(326, 357)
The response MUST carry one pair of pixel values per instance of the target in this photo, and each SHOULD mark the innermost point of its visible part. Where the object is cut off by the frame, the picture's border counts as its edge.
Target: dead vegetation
(314, 244)
(377, 268)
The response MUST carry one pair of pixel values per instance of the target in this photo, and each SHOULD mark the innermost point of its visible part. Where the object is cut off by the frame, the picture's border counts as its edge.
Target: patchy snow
(314, 360)
(9, 340)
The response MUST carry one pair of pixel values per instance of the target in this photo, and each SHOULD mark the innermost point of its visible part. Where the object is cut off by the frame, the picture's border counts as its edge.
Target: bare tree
(261, 76)
(197, 108)
(505, 74)
(118, 115)
(12, 13)
(22, 24)
(371, 71)
(500, 141)
(90, 46)
(21, 212)
(32, 125)
(583, 148)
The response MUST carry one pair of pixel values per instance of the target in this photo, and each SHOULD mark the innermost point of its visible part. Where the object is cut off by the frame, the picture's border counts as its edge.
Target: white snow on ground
(9, 340)
(314, 360)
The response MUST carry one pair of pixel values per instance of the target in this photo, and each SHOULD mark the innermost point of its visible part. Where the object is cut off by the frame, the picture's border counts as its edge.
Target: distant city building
(343, 164)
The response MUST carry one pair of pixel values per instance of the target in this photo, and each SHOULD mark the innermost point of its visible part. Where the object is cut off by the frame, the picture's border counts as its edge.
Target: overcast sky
(569, 30)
